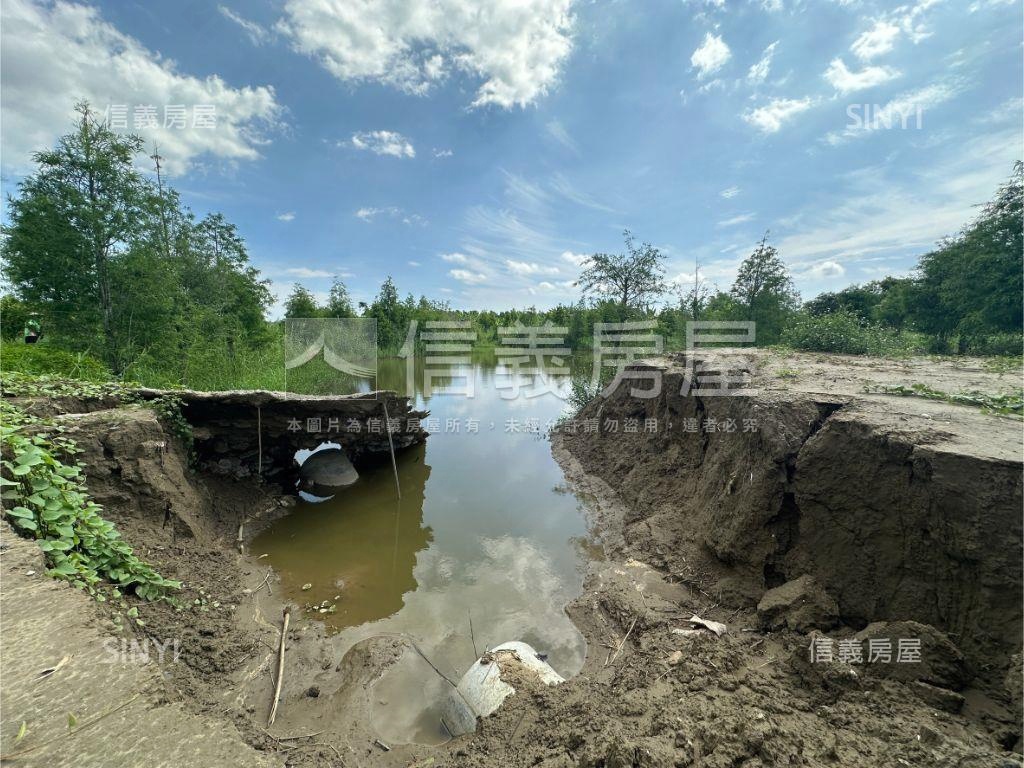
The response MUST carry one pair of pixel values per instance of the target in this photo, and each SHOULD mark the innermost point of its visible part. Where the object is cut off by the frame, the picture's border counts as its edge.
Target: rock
(941, 662)
(801, 605)
(313, 692)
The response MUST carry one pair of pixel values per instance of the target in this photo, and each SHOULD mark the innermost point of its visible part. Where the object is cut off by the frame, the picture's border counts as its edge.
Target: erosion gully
(486, 544)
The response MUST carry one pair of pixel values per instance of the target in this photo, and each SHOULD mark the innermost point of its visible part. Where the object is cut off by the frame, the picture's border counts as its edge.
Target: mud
(905, 512)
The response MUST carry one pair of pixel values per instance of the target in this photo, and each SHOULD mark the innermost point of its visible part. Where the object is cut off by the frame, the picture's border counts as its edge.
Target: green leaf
(20, 512)
(21, 732)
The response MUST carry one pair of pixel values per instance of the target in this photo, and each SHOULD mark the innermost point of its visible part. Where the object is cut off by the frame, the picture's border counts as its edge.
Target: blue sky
(476, 151)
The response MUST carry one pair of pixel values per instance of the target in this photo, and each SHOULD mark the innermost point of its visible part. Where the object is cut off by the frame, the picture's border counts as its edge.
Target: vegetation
(634, 278)
(847, 332)
(1009, 404)
(45, 497)
(127, 284)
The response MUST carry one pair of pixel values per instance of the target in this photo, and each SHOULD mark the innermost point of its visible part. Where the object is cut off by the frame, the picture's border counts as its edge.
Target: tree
(300, 303)
(339, 303)
(74, 214)
(971, 285)
(765, 292)
(391, 315)
(694, 301)
(633, 278)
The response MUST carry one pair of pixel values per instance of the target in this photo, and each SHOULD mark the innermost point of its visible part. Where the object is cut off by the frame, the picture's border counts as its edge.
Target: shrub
(844, 332)
(1001, 344)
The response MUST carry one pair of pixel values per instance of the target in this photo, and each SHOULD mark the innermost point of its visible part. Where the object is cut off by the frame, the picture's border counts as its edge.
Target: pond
(486, 544)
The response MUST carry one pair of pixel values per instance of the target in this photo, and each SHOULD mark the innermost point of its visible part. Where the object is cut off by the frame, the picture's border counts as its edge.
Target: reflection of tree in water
(361, 545)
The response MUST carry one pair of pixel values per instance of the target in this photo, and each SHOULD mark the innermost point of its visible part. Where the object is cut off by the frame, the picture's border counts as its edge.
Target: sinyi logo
(872, 117)
(141, 651)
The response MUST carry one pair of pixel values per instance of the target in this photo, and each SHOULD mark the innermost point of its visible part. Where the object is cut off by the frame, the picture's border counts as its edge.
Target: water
(485, 529)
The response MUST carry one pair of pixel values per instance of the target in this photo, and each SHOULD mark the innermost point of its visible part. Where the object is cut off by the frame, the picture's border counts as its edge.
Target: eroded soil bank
(840, 511)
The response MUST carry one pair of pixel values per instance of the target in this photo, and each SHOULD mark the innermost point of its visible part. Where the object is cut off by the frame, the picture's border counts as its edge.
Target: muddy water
(485, 531)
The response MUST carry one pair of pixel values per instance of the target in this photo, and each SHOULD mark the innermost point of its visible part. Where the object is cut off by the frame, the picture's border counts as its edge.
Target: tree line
(112, 263)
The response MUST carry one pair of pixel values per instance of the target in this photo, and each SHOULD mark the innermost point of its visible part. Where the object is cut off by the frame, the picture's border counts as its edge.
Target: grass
(1004, 405)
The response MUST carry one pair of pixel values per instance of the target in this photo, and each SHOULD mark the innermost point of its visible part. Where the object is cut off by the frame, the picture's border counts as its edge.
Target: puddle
(484, 529)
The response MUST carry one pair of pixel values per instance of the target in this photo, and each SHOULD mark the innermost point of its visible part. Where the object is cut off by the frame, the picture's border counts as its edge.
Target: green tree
(72, 219)
(634, 278)
(764, 290)
(971, 285)
(339, 303)
(301, 303)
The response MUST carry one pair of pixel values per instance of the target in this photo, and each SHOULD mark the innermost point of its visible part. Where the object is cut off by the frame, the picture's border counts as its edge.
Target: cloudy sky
(475, 150)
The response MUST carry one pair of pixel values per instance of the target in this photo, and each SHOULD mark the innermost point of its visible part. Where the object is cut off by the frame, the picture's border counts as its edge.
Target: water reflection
(485, 529)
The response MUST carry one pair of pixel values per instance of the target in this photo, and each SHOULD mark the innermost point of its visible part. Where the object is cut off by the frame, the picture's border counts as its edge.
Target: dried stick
(391, 445)
(472, 637)
(622, 642)
(280, 666)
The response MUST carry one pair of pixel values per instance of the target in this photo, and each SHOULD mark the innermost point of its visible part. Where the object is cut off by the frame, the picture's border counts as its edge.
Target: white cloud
(286, 216)
(826, 269)
(305, 272)
(769, 118)
(729, 193)
(383, 143)
(442, 153)
(369, 214)
(878, 40)
(846, 81)
(557, 131)
(257, 35)
(907, 109)
(576, 259)
(879, 213)
(56, 55)
(514, 49)
(772, 6)
(740, 219)
(468, 277)
(523, 268)
(414, 264)
(712, 54)
(455, 258)
(758, 72)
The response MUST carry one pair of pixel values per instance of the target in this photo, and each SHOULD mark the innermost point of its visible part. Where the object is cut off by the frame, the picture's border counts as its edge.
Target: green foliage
(43, 358)
(763, 292)
(1007, 405)
(972, 285)
(117, 267)
(845, 332)
(18, 384)
(635, 278)
(45, 498)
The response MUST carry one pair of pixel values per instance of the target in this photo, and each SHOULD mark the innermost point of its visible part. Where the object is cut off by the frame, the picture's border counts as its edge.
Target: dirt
(905, 512)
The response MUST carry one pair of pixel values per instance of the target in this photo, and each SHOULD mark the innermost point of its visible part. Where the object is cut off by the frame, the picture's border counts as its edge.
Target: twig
(472, 637)
(622, 642)
(391, 445)
(382, 745)
(69, 734)
(513, 734)
(280, 666)
(241, 526)
(290, 738)
(266, 580)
